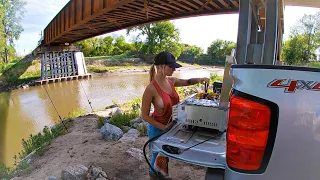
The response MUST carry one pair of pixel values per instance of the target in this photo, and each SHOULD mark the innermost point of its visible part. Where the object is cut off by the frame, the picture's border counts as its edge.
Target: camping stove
(200, 112)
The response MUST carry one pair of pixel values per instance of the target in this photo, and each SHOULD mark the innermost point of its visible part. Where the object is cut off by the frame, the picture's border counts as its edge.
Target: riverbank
(94, 140)
(84, 145)
(129, 119)
(24, 73)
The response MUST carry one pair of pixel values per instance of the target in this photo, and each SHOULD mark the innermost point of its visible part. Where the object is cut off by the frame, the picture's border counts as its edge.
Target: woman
(162, 95)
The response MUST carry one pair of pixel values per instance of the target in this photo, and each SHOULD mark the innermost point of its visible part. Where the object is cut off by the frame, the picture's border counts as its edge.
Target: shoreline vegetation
(23, 73)
(36, 144)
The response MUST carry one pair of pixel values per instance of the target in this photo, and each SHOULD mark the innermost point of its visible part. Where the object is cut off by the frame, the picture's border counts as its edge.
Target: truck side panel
(296, 152)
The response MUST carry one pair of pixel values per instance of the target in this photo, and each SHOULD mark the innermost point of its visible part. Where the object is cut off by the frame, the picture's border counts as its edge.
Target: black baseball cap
(166, 58)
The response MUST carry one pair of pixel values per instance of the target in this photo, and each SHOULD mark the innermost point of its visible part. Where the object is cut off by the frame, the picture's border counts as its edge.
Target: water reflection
(27, 111)
(4, 106)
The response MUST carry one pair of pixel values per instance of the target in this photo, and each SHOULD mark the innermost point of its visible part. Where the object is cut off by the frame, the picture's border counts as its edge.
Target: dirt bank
(84, 145)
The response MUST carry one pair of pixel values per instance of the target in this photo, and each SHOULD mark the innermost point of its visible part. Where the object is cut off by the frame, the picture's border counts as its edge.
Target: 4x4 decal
(290, 85)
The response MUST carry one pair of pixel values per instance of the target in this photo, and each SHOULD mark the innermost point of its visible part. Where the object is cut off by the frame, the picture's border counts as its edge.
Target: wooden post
(68, 64)
(73, 63)
(62, 64)
(58, 64)
(45, 65)
(42, 65)
(50, 62)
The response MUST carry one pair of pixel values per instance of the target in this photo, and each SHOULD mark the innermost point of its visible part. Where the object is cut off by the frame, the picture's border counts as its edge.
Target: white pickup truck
(267, 125)
(273, 128)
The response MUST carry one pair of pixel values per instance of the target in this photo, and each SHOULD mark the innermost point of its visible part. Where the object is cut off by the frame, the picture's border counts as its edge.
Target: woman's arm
(187, 82)
(145, 109)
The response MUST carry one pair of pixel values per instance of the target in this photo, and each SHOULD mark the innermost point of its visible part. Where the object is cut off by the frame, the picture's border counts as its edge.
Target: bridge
(260, 27)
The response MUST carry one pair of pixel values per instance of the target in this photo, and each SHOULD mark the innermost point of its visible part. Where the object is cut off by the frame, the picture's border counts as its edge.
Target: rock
(136, 153)
(126, 128)
(74, 172)
(96, 173)
(16, 178)
(136, 120)
(111, 132)
(108, 112)
(112, 106)
(106, 121)
(25, 86)
(130, 136)
(140, 125)
(118, 111)
(52, 178)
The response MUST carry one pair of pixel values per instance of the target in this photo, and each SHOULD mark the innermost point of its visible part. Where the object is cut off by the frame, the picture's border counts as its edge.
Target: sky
(200, 31)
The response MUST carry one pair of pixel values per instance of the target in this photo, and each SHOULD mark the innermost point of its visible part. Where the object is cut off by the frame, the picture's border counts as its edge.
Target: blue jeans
(152, 132)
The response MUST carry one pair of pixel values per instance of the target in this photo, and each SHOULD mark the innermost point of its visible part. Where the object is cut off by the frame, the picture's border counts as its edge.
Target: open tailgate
(209, 154)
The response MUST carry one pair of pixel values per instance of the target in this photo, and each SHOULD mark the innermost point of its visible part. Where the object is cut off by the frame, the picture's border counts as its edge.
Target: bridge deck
(81, 19)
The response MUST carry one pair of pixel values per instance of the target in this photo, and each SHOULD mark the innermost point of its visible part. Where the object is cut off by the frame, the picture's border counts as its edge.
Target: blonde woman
(162, 95)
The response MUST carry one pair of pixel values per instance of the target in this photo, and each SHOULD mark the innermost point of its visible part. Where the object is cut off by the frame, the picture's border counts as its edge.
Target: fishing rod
(56, 109)
(87, 97)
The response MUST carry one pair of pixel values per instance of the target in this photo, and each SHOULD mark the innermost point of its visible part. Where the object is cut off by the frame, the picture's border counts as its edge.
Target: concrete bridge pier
(61, 63)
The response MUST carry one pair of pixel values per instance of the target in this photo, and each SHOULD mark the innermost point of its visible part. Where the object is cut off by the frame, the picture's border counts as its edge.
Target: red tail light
(247, 136)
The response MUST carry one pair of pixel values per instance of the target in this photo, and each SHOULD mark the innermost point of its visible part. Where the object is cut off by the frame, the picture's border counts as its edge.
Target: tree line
(11, 13)
(150, 39)
(299, 49)
(304, 39)
(153, 38)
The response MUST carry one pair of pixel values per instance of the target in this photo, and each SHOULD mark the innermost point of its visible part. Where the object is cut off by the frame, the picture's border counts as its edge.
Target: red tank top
(168, 102)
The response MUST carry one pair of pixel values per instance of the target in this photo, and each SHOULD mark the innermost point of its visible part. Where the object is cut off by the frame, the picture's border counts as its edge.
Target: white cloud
(37, 16)
(200, 31)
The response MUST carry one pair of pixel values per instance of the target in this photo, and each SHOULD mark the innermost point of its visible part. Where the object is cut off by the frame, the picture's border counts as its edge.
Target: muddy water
(27, 111)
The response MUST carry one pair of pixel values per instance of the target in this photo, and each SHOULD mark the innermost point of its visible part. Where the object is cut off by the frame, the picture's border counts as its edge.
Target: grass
(124, 119)
(103, 69)
(143, 129)
(77, 113)
(132, 105)
(115, 57)
(5, 67)
(131, 110)
(21, 72)
(314, 64)
(100, 122)
(5, 172)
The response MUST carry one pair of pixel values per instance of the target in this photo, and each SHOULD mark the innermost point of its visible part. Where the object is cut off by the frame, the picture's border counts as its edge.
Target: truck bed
(209, 154)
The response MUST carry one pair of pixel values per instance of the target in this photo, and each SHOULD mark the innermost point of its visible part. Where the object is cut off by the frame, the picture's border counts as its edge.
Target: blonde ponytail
(151, 72)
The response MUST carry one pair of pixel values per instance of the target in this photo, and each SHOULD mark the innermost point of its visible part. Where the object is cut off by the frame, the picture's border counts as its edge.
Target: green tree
(190, 53)
(13, 12)
(308, 27)
(159, 37)
(293, 50)
(85, 47)
(107, 45)
(218, 50)
(121, 46)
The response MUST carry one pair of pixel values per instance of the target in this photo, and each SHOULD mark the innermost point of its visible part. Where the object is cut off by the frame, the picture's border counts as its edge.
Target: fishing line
(55, 109)
(86, 97)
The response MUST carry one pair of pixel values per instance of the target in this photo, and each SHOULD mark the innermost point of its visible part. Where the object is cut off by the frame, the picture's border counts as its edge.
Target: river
(27, 111)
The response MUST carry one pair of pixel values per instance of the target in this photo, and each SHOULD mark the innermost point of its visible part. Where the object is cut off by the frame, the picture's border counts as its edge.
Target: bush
(314, 64)
(121, 120)
(100, 122)
(143, 129)
(5, 172)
